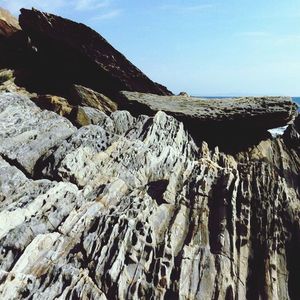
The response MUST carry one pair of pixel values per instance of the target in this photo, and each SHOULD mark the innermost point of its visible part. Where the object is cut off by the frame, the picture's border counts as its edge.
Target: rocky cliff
(100, 203)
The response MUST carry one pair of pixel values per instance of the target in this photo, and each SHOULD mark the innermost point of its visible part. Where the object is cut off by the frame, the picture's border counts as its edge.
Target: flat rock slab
(27, 132)
(272, 111)
(218, 121)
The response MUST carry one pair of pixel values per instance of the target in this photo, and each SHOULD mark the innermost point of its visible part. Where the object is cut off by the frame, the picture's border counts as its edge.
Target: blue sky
(216, 47)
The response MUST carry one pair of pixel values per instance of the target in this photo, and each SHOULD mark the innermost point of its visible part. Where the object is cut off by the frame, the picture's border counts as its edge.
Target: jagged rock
(87, 97)
(292, 134)
(68, 52)
(8, 83)
(151, 215)
(27, 132)
(61, 106)
(223, 122)
(57, 104)
(6, 75)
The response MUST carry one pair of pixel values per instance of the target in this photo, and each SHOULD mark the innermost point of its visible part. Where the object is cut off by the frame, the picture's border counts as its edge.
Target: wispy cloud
(186, 7)
(90, 4)
(106, 16)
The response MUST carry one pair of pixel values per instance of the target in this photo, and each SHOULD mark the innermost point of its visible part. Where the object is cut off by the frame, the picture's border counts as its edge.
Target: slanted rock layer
(100, 203)
(131, 208)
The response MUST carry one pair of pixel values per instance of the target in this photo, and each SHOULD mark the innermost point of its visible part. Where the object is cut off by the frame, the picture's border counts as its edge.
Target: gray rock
(246, 111)
(151, 215)
(221, 122)
(26, 132)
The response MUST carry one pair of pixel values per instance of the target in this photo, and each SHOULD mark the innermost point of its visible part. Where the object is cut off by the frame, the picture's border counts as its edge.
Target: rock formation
(99, 203)
(131, 208)
(218, 121)
(73, 53)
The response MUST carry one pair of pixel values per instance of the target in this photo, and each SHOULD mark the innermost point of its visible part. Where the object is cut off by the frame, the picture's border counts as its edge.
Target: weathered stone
(74, 53)
(221, 122)
(6, 75)
(87, 97)
(292, 134)
(131, 208)
(55, 103)
(155, 216)
(183, 94)
(26, 132)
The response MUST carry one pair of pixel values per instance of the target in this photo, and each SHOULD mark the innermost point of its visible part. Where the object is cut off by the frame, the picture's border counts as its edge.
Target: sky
(204, 47)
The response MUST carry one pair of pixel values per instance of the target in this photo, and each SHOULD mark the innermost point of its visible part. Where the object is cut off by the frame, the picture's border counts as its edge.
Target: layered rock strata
(228, 123)
(131, 208)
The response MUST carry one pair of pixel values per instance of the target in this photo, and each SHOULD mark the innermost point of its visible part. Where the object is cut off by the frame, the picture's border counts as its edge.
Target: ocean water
(297, 100)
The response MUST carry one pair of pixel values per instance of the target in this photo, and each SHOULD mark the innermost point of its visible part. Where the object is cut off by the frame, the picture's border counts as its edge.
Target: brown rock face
(74, 53)
(81, 95)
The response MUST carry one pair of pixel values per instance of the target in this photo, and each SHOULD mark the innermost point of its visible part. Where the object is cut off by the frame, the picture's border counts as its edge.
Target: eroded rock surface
(133, 209)
(27, 132)
(220, 122)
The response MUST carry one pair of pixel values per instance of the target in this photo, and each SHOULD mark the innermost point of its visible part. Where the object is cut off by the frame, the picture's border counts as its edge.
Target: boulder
(61, 106)
(183, 94)
(219, 121)
(68, 52)
(83, 96)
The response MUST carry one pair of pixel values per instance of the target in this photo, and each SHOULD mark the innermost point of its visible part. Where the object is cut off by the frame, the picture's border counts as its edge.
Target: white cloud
(109, 15)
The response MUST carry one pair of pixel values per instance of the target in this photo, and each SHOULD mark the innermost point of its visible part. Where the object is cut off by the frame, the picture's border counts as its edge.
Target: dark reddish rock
(68, 53)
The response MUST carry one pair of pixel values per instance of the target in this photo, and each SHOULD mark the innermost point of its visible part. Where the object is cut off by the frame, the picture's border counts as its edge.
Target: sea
(297, 100)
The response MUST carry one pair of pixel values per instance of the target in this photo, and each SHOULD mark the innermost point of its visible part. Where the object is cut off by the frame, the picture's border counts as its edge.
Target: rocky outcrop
(100, 203)
(27, 132)
(131, 208)
(223, 122)
(83, 96)
(13, 42)
(68, 53)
